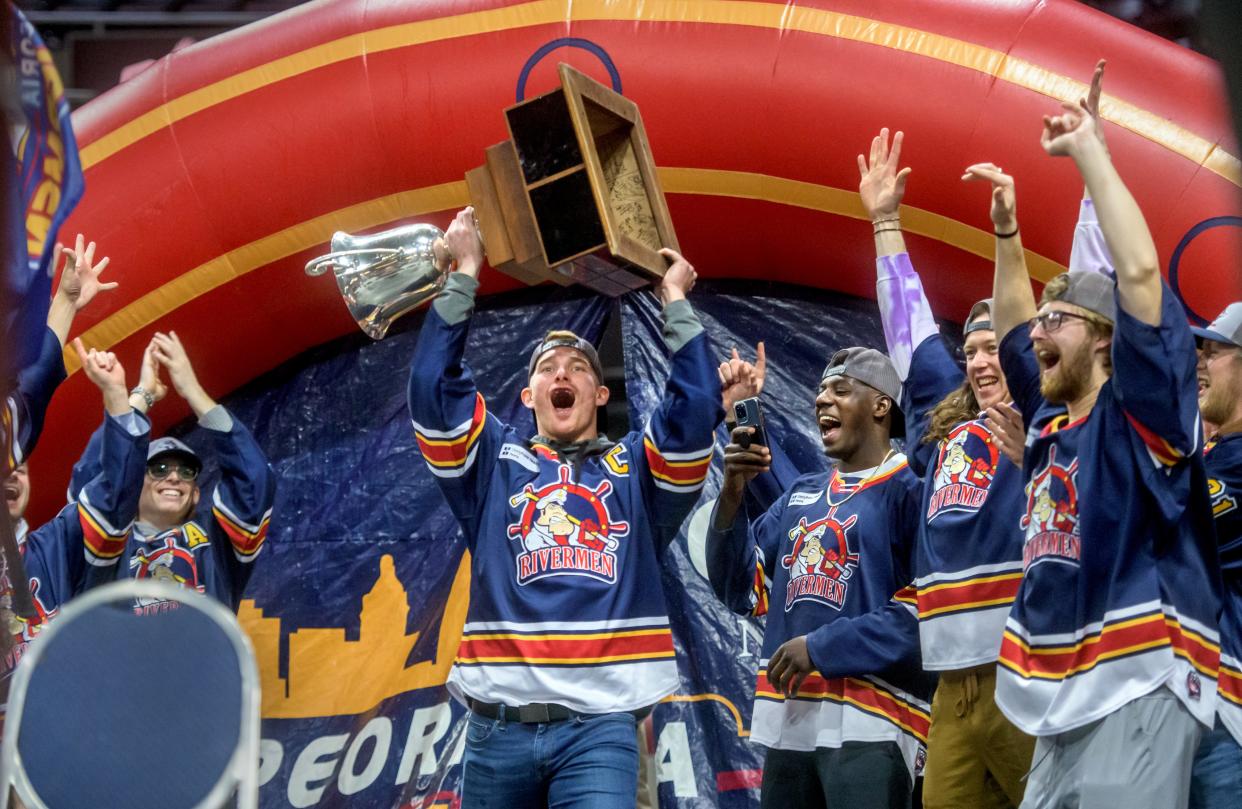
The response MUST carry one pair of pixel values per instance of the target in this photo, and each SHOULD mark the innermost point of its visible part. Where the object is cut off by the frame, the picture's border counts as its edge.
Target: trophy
(572, 198)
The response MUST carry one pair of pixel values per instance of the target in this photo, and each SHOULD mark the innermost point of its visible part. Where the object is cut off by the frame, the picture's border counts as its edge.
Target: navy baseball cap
(566, 339)
(874, 369)
(1226, 328)
(171, 446)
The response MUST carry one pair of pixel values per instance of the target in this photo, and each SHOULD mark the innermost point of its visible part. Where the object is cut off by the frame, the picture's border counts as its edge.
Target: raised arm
(451, 421)
(904, 311)
(79, 284)
(1139, 287)
(679, 439)
(108, 503)
(1013, 300)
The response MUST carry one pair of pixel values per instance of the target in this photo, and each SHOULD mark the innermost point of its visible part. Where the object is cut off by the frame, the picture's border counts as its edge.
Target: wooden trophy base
(573, 197)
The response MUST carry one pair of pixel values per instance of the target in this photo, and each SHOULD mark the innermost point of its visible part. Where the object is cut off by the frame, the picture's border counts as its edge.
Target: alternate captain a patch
(965, 468)
(1051, 519)
(566, 529)
(820, 563)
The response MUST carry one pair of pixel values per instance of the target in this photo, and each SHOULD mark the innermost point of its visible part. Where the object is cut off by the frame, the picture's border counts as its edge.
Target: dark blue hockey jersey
(21, 421)
(968, 562)
(1121, 588)
(212, 553)
(1224, 470)
(566, 604)
(838, 552)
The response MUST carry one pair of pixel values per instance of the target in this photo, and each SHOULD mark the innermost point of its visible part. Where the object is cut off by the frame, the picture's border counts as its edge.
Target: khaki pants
(975, 757)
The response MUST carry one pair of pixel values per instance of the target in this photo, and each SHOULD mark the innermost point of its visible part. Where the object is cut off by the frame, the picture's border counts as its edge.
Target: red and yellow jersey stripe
(1229, 682)
(677, 471)
(449, 453)
(1160, 450)
(944, 598)
(1122, 638)
(104, 543)
(247, 539)
(565, 648)
(857, 693)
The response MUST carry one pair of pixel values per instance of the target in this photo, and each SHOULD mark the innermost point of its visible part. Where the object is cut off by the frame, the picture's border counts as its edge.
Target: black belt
(538, 712)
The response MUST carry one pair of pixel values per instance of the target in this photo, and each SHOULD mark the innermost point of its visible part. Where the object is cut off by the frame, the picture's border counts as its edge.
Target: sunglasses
(1053, 321)
(158, 470)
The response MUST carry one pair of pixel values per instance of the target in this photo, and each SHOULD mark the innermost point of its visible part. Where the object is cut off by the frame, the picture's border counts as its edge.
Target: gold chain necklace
(836, 472)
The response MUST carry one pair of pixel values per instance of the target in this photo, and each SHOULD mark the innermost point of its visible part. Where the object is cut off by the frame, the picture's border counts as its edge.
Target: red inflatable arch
(216, 174)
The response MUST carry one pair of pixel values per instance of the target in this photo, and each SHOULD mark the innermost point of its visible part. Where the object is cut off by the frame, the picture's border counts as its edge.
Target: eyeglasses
(158, 470)
(1054, 320)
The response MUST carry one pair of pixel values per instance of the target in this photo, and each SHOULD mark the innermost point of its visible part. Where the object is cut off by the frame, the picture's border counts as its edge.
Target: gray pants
(1138, 757)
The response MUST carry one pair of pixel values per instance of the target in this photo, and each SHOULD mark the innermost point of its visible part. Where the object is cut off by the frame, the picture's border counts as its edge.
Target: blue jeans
(1216, 781)
(583, 762)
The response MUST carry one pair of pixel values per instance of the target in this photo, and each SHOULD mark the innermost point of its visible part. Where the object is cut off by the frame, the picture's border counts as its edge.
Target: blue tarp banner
(49, 185)
(356, 607)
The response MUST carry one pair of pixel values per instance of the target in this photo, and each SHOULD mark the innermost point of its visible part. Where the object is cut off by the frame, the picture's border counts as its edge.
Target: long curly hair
(959, 406)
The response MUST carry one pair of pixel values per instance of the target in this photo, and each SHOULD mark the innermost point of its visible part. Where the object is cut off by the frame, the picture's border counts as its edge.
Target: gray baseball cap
(566, 339)
(1094, 292)
(983, 307)
(871, 368)
(171, 446)
(1226, 328)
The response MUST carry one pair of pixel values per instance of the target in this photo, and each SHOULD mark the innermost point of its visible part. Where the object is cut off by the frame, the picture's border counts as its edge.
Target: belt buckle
(534, 713)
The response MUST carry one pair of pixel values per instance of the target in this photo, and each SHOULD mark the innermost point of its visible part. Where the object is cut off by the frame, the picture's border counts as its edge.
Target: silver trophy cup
(384, 275)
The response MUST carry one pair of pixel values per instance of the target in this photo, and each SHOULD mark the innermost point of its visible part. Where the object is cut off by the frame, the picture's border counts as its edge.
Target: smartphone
(749, 413)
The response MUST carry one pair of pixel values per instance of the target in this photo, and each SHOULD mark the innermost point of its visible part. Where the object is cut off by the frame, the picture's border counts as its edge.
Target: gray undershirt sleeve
(217, 418)
(456, 300)
(681, 324)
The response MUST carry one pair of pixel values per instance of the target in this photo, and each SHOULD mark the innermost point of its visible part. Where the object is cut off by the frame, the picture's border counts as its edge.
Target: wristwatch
(139, 390)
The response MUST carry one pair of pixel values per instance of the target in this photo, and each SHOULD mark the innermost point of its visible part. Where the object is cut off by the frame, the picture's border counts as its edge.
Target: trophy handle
(384, 256)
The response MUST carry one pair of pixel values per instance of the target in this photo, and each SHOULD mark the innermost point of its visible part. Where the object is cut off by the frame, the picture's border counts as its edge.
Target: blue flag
(49, 185)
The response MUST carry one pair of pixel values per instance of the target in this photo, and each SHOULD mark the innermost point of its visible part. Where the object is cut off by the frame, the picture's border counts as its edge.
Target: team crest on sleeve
(566, 530)
(820, 563)
(965, 467)
(1051, 519)
(167, 560)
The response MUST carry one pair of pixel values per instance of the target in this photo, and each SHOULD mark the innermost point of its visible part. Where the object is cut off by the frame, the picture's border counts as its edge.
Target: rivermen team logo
(566, 530)
(1051, 519)
(964, 470)
(166, 560)
(819, 573)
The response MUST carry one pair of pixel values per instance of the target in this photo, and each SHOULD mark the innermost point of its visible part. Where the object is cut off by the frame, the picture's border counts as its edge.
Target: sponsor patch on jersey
(965, 467)
(566, 529)
(519, 455)
(1051, 519)
(804, 498)
(820, 562)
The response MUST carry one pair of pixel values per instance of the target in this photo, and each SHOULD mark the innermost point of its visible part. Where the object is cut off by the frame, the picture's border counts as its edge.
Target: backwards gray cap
(1226, 328)
(566, 339)
(983, 307)
(171, 446)
(1093, 291)
(871, 368)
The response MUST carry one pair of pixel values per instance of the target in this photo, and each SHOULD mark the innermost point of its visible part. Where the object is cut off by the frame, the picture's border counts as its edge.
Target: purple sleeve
(904, 310)
(1089, 252)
